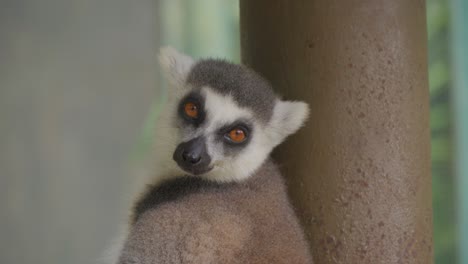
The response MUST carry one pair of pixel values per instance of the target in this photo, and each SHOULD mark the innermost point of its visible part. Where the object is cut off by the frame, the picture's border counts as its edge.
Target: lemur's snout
(191, 156)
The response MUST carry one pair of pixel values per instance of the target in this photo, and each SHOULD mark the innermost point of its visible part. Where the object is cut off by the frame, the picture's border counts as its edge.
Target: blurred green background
(79, 93)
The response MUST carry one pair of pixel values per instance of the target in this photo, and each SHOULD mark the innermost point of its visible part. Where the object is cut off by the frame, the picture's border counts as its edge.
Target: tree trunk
(359, 172)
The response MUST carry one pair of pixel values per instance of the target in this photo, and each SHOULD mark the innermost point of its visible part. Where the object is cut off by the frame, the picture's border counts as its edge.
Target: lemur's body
(217, 198)
(191, 220)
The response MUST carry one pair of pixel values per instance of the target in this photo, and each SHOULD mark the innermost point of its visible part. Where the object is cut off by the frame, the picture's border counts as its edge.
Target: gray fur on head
(246, 87)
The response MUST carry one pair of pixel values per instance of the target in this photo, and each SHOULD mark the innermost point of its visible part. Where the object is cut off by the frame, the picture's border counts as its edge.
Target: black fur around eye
(191, 109)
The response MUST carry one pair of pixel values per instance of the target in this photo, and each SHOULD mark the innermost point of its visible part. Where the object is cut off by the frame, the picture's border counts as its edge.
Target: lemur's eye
(191, 109)
(237, 135)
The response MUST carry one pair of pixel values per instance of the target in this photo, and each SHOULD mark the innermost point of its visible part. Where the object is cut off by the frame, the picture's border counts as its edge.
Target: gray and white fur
(215, 200)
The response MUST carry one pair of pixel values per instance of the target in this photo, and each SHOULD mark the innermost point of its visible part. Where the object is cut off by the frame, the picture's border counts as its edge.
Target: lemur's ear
(288, 117)
(175, 65)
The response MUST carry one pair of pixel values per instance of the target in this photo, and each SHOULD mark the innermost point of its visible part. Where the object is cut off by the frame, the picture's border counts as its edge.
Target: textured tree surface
(359, 172)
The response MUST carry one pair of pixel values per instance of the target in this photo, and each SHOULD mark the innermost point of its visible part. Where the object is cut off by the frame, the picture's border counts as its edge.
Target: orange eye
(191, 110)
(237, 135)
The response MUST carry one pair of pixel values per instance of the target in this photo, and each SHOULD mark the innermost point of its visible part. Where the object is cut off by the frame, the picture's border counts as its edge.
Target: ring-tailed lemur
(218, 197)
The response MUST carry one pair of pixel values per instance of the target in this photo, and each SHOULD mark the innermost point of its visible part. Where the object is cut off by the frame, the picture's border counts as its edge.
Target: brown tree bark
(359, 172)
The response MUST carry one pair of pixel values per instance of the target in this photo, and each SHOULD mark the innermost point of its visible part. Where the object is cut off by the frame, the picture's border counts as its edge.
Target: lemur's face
(226, 117)
(218, 138)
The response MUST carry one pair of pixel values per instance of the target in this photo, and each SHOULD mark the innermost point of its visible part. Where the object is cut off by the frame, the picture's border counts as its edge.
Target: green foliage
(438, 75)
(438, 19)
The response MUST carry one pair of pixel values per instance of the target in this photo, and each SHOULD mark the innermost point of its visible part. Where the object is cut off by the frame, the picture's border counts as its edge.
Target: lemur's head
(226, 119)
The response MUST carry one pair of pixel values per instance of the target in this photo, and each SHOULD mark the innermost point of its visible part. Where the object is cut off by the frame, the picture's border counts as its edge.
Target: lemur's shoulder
(266, 178)
(172, 190)
(192, 220)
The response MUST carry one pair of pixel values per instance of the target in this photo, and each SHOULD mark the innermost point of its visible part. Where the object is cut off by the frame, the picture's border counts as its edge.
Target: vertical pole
(359, 172)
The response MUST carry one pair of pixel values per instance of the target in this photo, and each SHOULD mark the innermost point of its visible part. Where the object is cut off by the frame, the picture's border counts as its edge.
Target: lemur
(217, 196)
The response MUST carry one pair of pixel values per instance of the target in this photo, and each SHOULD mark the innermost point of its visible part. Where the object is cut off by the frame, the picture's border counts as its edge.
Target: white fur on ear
(175, 65)
(288, 117)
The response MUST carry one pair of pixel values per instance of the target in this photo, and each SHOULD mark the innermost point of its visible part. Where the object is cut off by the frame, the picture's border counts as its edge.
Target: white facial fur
(221, 110)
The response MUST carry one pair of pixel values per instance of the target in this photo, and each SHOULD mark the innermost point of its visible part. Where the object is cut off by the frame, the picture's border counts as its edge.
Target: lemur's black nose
(191, 157)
